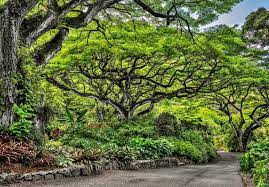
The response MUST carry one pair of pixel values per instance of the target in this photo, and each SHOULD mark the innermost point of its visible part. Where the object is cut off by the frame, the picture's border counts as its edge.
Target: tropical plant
(63, 160)
(22, 128)
(256, 161)
(151, 149)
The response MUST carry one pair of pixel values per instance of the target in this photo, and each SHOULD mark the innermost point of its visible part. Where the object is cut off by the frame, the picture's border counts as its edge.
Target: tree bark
(8, 65)
(247, 135)
(242, 144)
(243, 140)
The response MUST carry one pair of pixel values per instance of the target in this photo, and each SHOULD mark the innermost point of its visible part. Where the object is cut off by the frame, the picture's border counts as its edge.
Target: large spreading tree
(244, 98)
(132, 69)
(246, 106)
(23, 22)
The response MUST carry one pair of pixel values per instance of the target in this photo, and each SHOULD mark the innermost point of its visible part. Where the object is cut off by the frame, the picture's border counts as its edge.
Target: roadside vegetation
(256, 161)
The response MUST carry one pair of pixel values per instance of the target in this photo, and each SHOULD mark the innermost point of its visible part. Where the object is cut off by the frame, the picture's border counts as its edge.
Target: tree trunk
(9, 27)
(243, 141)
(245, 137)
(242, 147)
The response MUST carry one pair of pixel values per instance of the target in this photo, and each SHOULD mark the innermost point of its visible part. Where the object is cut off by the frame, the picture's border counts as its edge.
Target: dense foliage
(255, 29)
(256, 161)
(140, 139)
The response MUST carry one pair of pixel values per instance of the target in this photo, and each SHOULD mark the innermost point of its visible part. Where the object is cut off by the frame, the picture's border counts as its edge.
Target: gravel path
(224, 173)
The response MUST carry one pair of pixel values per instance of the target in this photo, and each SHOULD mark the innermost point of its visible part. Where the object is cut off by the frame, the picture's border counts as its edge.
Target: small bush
(64, 160)
(90, 154)
(138, 130)
(166, 124)
(85, 138)
(83, 143)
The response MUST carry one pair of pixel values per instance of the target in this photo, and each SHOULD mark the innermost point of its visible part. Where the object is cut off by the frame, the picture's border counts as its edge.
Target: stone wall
(87, 170)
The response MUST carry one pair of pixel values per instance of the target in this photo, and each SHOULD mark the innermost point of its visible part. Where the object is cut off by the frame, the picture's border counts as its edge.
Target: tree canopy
(24, 22)
(256, 27)
(130, 67)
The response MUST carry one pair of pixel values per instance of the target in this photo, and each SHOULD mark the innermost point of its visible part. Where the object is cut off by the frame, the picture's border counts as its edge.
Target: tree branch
(56, 15)
(154, 13)
(49, 49)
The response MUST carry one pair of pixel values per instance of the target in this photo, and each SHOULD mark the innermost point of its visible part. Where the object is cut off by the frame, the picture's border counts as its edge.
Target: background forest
(128, 80)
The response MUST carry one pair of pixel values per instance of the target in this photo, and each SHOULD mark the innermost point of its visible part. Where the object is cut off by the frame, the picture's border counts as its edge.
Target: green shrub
(202, 140)
(139, 139)
(166, 124)
(259, 150)
(193, 136)
(151, 149)
(122, 154)
(121, 132)
(261, 173)
(246, 163)
(256, 161)
(187, 149)
(85, 137)
(63, 160)
(75, 118)
(136, 130)
(22, 128)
